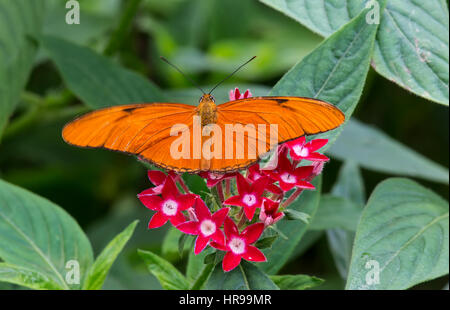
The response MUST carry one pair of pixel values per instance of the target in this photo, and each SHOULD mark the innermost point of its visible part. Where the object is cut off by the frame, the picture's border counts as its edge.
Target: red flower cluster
(259, 191)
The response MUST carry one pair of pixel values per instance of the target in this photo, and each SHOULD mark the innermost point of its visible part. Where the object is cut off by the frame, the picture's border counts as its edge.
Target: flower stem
(228, 187)
(292, 198)
(220, 191)
(183, 185)
(201, 280)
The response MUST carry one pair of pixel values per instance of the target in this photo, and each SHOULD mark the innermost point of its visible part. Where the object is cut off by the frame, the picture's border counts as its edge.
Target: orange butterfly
(152, 130)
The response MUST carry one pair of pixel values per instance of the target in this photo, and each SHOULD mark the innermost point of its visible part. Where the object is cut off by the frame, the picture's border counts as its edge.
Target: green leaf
(26, 277)
(169, 277)
(282, 248)
(20, 23)
(350, 183)
(412, 41)
(99, 270)
(37, 235)
(95, 79)
(321, 16)
(350, 186)
(336, 212)
(296, 282)
(372, 149)
(404, 230)
(297, 215)
(412, 47)
(170, 250)
(244, 277)
(266, 242)
(335, 71)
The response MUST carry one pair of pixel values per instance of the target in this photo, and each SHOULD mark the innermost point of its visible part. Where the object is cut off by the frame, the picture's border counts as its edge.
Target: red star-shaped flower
(288, 176)
(239, 245)
(300, 149)
(255, 173)
(169, 206)
(157, 178)
(250, 195)
(269, 212)
(207, 226)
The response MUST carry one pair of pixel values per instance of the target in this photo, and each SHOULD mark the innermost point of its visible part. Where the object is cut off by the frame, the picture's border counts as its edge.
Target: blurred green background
(207, 39)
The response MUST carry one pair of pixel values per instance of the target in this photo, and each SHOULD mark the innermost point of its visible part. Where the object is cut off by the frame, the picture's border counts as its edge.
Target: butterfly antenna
(185, 76)
(232, 73)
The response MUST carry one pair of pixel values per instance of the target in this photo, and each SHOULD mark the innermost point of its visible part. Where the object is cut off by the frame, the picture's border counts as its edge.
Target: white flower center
(207, 227)
(301, 151)
(249, 200)
(237, 245)
(170, 207)
(288, 178)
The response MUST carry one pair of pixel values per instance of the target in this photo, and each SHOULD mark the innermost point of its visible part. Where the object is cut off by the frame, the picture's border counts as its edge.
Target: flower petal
(252, 232)
(158, 220)
(250, 211)
(218, 246)
(230, 228)
(169, 189)
(177, 219)
(201, 210)
(150, 201)
(156, 177)
(242, 184)
(190, 228)
(230, 261)
(186, 201)
(219, 217)
(285, 187)
(200, 244)
(316, 144)
(234, 201)
(151, 191)
(304, 184)
(218, 237)
(259, 186)
(317, 157)
(303, 172)
(253, 254)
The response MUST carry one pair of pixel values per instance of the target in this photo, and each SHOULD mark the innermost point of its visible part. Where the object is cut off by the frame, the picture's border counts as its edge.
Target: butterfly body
(207, 110)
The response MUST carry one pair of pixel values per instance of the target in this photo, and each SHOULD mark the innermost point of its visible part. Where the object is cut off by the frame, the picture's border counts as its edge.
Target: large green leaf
(335, 71)
(296, 282)
(336, 212)
(244, 277)
(20, 23)
(37, 235)
(282, 248)
(97, 80)
(412, 47)
(402, 236)
(373, 149)
(412, 42)
(350, 186)
(169, 277)
(26, 277)
(99, 270)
